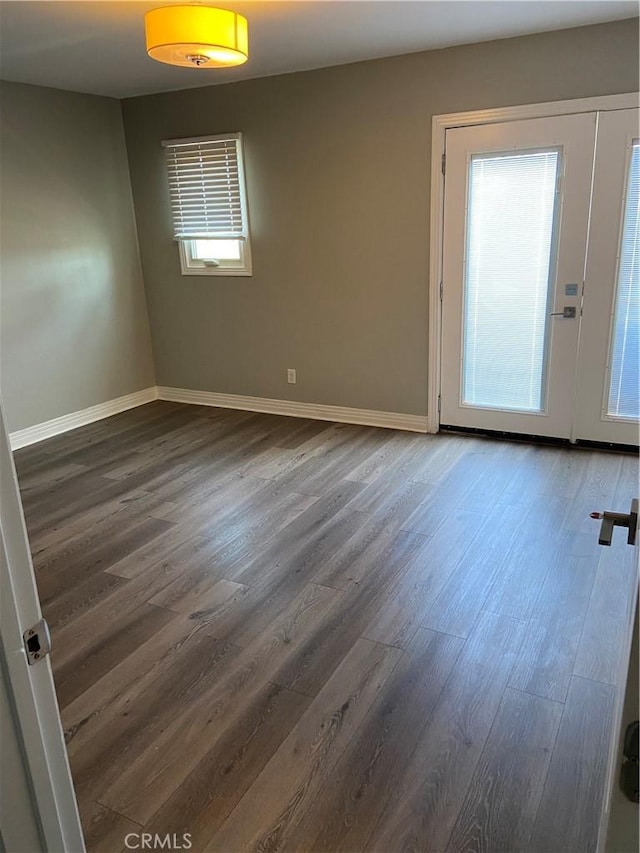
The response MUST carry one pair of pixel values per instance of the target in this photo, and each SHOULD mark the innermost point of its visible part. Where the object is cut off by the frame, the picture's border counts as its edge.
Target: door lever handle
(618, 519)
(568, 312)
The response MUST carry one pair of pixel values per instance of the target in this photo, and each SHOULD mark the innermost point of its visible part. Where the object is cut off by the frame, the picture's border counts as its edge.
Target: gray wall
(338, 181)
(75, 329)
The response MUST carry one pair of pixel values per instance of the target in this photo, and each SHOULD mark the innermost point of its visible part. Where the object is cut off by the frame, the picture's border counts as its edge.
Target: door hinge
(444, 163)
(37, 642)
(439, 403)
(441, 290)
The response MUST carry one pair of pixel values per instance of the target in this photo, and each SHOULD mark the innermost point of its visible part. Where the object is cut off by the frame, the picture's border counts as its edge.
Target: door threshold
(547, 440)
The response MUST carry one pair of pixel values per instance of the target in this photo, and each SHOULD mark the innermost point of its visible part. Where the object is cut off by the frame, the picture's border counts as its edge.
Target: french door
(541, 258)
(607, 405)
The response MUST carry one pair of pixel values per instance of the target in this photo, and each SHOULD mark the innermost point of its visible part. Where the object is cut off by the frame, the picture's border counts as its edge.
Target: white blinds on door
(624, 390)
(510, 221)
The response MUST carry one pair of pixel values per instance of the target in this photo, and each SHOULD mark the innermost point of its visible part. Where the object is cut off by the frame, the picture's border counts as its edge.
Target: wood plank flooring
(288, 635)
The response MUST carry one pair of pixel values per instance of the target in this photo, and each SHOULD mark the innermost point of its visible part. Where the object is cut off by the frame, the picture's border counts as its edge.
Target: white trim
(314, 411)
(439, 126)
(291, 408)
(38, 432)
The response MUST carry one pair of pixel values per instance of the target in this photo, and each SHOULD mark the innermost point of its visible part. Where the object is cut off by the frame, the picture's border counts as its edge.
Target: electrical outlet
(291, 376)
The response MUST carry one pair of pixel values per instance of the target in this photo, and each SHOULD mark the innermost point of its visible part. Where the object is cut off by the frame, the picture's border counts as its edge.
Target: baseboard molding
(31, 435)
(314, 411)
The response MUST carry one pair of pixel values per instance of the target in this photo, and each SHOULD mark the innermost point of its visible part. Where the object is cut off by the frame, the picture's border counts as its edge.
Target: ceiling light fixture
(197, 36)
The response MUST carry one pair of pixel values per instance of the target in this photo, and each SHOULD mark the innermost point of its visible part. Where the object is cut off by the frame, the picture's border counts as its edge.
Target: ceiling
(98, 47)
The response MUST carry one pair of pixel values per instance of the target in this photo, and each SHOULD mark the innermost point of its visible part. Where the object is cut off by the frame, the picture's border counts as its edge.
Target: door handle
(618, 519)
(568, 312)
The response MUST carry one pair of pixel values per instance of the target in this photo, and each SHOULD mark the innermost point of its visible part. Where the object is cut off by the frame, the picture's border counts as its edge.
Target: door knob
(618, 519)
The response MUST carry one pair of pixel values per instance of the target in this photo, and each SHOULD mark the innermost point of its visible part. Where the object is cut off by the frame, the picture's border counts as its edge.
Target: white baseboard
(33, 434)
(314, 411)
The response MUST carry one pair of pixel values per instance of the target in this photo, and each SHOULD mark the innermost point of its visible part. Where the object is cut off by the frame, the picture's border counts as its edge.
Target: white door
(37, 804)
(19, 828)
(608, 396)
(525, 241)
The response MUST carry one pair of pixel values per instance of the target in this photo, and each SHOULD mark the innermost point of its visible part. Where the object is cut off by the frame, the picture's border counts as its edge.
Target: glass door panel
(508, 272)
(624, 393)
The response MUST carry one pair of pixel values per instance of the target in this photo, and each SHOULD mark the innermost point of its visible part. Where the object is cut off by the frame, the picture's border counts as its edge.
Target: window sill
(217, 272)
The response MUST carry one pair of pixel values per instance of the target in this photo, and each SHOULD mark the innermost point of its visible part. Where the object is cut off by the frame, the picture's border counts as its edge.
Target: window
(624, 385)
(509, 268)
(208, 204)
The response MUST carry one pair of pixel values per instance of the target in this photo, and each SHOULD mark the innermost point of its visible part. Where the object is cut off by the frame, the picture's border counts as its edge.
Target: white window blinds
(206, 185)
(509, 253)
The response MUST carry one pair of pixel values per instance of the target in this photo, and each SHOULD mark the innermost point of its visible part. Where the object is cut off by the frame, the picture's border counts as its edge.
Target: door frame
(439, 126)
(31, 689)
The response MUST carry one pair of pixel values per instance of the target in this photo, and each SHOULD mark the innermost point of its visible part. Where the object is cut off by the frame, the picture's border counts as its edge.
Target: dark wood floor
(278, 634)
